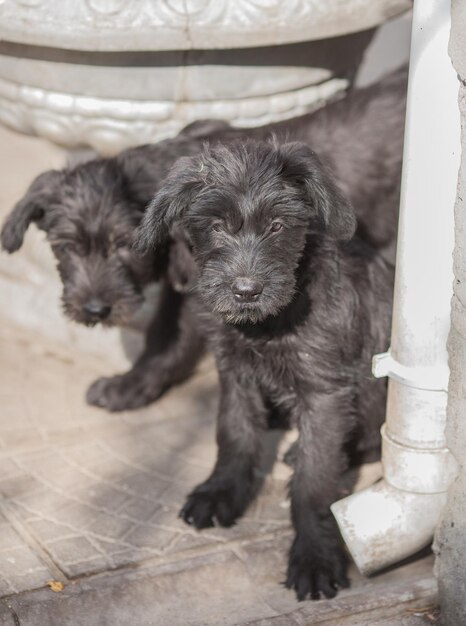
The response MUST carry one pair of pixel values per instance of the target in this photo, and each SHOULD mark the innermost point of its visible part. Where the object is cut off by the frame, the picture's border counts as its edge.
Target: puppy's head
(249, 211)
(89, 219)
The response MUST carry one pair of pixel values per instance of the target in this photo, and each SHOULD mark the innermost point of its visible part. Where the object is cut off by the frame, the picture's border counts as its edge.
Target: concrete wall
(450, 541)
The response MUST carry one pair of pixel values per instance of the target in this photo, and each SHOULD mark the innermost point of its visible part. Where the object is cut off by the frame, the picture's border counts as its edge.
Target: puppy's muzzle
(246, 290)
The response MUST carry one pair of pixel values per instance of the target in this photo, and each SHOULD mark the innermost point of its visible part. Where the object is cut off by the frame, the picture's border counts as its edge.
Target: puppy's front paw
(121, 393)
(315, 571)
(207, 504)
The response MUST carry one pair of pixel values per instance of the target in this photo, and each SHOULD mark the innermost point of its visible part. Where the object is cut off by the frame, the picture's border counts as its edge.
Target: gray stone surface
(217, 589)
(450, 544)
(100, 491)
(20, 567)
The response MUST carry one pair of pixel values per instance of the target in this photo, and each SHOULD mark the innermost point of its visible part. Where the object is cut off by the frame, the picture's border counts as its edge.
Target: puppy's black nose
(97, 309)
(245, 289)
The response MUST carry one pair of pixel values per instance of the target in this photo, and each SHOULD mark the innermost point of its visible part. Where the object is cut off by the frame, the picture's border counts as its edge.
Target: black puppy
(90, 212)
(293, 309)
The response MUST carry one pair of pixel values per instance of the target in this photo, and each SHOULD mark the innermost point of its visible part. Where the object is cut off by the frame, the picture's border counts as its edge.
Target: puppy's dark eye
(121, 243)
(217, 227)
(275, 226)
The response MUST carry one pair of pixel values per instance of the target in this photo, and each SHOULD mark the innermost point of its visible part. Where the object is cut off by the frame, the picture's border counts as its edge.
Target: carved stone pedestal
(114, 73)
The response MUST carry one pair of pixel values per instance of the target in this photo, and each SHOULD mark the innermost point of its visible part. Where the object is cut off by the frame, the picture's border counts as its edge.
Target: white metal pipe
(396, 517)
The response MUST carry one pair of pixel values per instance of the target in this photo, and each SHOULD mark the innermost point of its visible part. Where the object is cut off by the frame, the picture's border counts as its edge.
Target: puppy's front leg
(174, 345)
(242, 417)
(317, 563)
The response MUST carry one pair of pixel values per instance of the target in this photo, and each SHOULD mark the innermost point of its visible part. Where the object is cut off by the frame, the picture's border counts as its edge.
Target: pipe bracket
(427, 378)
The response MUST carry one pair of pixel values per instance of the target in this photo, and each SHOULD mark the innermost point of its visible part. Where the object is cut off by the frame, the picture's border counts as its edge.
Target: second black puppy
(293, 311)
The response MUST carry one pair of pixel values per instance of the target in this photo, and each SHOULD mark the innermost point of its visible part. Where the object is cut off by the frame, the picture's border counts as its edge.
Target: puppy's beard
(217, 296)
(247, 313)
(122, 312)
(248, 316)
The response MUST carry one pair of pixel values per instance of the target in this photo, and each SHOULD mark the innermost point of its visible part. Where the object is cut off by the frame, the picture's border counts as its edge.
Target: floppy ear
(31, 208)
(336, 212)
(168, 205)
(181, 270)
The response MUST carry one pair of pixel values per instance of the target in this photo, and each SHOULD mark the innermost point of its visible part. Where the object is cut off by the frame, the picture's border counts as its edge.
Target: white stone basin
(114, 73)
(115, 25)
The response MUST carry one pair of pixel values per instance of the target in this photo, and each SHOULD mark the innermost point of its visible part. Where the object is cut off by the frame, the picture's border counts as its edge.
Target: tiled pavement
(91, 499)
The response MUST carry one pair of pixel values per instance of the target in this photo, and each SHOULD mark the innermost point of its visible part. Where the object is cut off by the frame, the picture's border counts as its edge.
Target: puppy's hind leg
(174, 345)
(242, 418)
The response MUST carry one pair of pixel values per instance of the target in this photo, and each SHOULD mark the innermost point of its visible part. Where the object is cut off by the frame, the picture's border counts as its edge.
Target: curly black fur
(293, 308)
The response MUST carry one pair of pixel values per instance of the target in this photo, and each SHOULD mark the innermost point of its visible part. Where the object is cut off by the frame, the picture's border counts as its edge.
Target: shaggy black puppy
(90, 212)
(293, 309)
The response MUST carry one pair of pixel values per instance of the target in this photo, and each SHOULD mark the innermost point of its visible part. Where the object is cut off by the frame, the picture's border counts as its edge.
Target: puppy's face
(247, 236)
(90, 222)
(248, 212)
